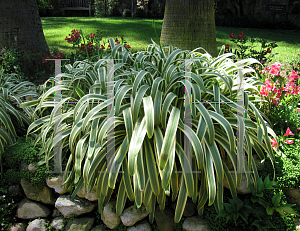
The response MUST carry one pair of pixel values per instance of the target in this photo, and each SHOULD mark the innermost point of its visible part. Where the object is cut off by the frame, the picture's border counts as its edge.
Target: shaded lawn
(139, 32)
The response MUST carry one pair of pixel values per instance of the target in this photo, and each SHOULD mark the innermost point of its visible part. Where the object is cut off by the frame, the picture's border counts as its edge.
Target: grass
(138, 33)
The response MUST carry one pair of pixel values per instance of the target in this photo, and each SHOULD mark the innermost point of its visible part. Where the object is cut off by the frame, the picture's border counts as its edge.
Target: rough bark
(20, 26)
(189, 24)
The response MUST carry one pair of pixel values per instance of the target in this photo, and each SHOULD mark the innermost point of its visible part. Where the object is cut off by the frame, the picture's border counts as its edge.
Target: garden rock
(56, 184)
(195, 224)
(109, 216)
(165, 219)
(293, 196)
(242, 188)
(56, 213)
(17, 227)
(91, 196)
(37, 225)
(132, 215)
(99, 228)
(35, 193)
(140, 226)
(73, 206)
(57, 223)
(30, 209)
(15, 191)
(190, 208)
(82, 224)
(31, 168)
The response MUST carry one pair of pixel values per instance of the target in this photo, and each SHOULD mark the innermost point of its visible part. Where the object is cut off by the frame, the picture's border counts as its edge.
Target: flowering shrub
(90, 45)
(259, 49)
(280, 95)
(278, 84)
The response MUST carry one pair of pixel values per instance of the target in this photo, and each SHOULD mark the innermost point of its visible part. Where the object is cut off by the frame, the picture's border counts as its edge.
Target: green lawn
(138, 33)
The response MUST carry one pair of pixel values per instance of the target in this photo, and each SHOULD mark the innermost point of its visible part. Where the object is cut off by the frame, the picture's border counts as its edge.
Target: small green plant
(234, 210)
(237, 208)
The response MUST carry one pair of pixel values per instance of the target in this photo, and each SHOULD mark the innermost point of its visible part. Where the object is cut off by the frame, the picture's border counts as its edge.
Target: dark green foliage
(7, 209)
(287, 168)
(23, 152)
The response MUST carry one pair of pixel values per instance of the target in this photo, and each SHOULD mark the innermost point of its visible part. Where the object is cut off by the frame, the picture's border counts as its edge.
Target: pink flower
(288, 132)
(232, 35)
(298, 110)
(275, 69)
(294, 75)
(289, 141)
(274, 143)
(269, 85)
(298, 128)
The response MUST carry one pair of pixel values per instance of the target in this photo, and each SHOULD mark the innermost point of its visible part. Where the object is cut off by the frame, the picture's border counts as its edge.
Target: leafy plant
(9, 60)
(146, 132)
(234, 210)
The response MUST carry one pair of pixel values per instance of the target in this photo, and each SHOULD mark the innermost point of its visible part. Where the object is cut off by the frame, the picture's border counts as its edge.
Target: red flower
(109, 45)
(118, 42)
(128, 46)
(288, 132)
(92, 35)
(289, 141)
(274, 143)
(59, 55)
(241, 35)
(226, 47)
(269, 50)
(102, 47)
(232, 35)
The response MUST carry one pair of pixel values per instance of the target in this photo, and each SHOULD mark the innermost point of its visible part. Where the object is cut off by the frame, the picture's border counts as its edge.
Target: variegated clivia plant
(141, 144)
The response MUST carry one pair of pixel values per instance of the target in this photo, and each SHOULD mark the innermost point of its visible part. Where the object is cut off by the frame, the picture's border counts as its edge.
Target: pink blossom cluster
(277, 85)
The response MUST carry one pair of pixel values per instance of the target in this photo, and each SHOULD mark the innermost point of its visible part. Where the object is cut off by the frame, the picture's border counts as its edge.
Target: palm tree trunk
(189, 24)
